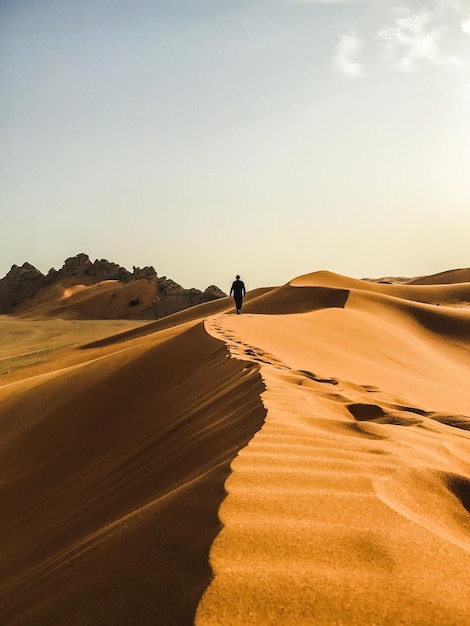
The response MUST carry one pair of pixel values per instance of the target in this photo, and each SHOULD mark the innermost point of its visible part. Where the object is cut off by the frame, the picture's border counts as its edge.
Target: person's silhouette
(238, 290)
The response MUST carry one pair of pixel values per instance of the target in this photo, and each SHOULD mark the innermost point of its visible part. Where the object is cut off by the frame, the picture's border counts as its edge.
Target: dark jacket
(238, 288)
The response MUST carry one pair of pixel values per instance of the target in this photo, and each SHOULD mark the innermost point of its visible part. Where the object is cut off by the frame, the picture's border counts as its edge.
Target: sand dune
(112, 471)
(447, 294)
(107, 299)
(319, 476)
(351, 504)
(450, 276)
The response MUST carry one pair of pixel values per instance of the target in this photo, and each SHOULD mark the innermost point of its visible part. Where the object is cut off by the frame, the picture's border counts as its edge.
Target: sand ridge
(351, 504)
(422, 292)
(103, 464)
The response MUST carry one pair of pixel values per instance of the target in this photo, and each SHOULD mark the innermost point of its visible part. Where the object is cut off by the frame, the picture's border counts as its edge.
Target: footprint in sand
(215, 326)
(318, 379)
(363, 412)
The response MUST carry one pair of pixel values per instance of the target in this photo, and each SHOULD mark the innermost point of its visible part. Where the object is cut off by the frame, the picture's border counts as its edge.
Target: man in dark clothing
(238, 290)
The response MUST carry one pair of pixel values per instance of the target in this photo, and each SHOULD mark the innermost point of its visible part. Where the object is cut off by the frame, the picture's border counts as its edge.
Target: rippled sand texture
(351, 504)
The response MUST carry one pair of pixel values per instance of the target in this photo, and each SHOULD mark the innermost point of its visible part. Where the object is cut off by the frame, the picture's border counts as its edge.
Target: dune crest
(423, 290)
(450, 276)
(103, 461)
(340, 503)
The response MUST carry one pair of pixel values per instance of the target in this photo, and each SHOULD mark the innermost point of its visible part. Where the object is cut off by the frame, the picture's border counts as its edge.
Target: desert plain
(306, 462)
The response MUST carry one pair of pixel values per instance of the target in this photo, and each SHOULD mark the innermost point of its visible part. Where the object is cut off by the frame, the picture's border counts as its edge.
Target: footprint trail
(314, 498)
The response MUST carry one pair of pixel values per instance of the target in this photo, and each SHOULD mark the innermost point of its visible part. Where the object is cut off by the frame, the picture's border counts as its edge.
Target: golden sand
(307, 462)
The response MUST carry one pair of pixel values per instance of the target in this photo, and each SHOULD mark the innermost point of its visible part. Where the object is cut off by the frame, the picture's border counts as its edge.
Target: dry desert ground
(306, 462)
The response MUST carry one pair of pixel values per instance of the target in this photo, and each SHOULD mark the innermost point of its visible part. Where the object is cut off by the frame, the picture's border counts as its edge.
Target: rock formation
(213, 293)
(100, 289)
(18, 285)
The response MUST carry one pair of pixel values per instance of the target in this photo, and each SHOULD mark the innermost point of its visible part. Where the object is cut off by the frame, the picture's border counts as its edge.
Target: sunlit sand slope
(106, 299)
(450, 276)
(111, 474)
(351, 504)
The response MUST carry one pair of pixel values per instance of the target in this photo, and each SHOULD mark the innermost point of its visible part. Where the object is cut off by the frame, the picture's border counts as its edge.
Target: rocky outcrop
(213, 293)
(80, 266)
(25, 287)
(18, 285)
(146, 272)
(171, 297)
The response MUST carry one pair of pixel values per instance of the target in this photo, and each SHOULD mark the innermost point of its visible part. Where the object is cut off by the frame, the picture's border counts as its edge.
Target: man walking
(238, 290)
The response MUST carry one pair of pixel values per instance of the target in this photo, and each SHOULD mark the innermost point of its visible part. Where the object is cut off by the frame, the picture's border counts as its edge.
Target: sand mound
(319, 476)
(432, 293)
(450, 276)
(107, 299)
(102, 466)
(359, 477)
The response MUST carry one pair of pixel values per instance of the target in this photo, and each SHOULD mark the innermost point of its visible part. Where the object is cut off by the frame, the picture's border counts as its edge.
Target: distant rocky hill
(83, 289)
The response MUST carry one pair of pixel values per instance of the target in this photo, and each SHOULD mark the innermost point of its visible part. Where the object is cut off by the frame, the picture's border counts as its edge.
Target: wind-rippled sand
(307, 462)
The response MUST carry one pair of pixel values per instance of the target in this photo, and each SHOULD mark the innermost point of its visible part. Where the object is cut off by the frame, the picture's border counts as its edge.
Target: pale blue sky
(212, 137)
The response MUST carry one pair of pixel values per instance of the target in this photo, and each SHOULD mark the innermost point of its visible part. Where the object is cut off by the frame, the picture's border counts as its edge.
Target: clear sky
(269, 138)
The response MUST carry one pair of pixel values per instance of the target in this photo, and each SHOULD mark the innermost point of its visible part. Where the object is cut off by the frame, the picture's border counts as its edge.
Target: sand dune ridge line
(339, 505)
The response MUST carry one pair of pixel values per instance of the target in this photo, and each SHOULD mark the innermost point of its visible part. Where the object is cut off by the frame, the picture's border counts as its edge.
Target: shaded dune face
(112, 474)
(288, 299)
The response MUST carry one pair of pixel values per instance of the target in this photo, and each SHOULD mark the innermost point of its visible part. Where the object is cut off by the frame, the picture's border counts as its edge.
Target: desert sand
(80, 298)
(306, 462)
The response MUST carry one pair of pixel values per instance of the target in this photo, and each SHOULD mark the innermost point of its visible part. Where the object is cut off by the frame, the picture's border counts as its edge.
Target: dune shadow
(288, 299)
(460, 487)
(412, 409)
(445, 322)
(366, 412)
(115, 504)
(456, 421)
(363, 412)
(318, 379)
(355, 430)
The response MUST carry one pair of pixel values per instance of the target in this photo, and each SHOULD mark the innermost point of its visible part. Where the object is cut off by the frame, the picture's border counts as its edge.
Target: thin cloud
(346, 56)
(414, 39)
(466, 26)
